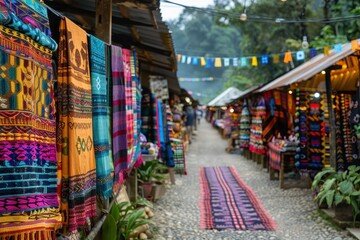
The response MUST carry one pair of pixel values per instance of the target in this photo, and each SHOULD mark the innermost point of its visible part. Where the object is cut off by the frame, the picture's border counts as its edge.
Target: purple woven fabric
(119, 116)
(228, 203)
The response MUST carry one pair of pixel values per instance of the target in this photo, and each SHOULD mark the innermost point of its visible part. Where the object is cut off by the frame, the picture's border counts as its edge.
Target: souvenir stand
(82, 109)
(330, 80)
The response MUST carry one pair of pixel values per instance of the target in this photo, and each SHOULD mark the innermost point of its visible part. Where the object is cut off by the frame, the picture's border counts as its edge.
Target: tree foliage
(221, 34)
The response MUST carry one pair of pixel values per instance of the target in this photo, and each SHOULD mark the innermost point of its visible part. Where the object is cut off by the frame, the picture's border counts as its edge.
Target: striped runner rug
(226, 202)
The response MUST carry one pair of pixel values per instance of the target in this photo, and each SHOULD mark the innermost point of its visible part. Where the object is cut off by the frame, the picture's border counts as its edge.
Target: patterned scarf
(29, 205)
(75, 150)
(119, 117)
(101, 118)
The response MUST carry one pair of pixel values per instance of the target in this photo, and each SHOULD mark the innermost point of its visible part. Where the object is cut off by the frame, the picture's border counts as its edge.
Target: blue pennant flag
(300, 55)
(264, 59)
(338, 48)
(209, 62)
(195, 61)
(313, 52)
(183, 59)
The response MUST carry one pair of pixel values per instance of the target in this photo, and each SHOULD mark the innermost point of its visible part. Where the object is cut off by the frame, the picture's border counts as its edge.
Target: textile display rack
(179, 156)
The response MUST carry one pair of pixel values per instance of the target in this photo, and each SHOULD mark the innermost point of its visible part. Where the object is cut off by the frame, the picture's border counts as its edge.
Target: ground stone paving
(177, 214)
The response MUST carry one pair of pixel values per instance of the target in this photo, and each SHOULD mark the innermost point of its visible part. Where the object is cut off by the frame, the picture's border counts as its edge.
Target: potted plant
(340, 190)
(125, 221)
(148, 173)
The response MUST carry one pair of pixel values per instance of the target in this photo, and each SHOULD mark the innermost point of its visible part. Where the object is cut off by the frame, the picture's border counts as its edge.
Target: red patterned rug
(226, 202)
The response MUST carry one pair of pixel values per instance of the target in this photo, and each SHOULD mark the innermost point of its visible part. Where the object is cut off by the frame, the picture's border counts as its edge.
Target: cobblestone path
(177, 214)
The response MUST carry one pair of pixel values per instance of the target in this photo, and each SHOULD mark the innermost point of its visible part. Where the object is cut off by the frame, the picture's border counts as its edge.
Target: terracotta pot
(147, 188)
(344, 212)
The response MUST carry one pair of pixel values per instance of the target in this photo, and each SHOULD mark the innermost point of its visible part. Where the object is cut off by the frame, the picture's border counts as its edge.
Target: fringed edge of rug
(205, 219)
(265, 216)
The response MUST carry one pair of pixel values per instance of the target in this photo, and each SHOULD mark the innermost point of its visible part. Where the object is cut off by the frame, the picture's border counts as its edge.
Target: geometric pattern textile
(75, 144)
(29, 205)
(228, 203)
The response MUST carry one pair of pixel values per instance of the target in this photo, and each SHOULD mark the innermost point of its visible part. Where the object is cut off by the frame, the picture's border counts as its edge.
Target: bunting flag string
(195, 79)
(260, 60)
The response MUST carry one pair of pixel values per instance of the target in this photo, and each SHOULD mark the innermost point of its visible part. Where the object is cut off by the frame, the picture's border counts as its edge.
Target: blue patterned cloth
(100, 74)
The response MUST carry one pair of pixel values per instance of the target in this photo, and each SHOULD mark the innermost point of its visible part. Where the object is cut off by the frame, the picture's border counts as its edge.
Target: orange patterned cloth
(75, 150)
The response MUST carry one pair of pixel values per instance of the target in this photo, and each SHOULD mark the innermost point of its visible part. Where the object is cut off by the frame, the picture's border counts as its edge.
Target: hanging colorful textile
(28, 17)
(270, 118)
(119, 117)
(101, 117)
(355, 126)
(256, 140)
(29, 205)
(75, 150)
(137, 159)
(130, 101)
(245, 126)
(301, 129)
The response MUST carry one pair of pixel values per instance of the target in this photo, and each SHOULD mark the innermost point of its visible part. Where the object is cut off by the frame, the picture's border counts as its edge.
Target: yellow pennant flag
(202, 61)
(326, 50)
(355, 45)
(217, 62)
(254, 61)
(276, 58)
(288, 57)
(179, 57)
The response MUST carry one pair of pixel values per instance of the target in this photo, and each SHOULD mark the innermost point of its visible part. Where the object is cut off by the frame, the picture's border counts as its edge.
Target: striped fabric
(75, 149)
(28, 166)
(101, 117)
(118, 117)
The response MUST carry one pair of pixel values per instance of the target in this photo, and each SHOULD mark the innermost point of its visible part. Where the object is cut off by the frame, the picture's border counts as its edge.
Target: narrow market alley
(178, 213)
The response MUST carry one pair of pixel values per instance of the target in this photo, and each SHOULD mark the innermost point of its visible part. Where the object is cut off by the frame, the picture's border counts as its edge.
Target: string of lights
(264, 19)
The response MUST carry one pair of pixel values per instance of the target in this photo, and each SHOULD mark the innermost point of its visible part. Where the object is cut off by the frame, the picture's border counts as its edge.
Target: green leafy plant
(150, 171)
(123, 219)
(339, 188)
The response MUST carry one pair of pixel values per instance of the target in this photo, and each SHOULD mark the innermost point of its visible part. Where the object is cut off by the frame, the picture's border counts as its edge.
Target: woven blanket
(29, 204)
(75, 143)
(228, 203)
(28, 17)
(101, 117)
(119, 117)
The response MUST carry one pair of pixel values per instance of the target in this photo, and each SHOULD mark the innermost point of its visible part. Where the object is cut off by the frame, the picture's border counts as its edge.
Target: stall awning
(308, 69)
(136, 24)
(225, 97)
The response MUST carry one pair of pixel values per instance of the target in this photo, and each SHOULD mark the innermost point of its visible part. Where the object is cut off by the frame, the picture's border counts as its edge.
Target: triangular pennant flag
(254, 61)
(313, 52)
(264, 59)
(188, 60)
(226, 62)
(276, 58)
(235, 62)
(179, 57)
(355, 45)
(202, 61)
(288, 57)
(195, 61)
(218, 62)
(338, 48)
(244, 62)
(300, 55)
(183, 59)
(326, 50)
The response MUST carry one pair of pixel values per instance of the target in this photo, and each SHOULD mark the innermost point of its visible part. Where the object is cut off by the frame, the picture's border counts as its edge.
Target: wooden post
(103, 20)
(331, 118)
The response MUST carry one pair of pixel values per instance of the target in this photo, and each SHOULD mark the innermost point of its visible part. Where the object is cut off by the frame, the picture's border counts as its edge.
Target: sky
(170, 11)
